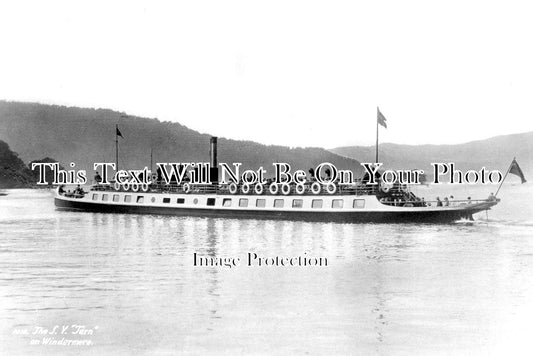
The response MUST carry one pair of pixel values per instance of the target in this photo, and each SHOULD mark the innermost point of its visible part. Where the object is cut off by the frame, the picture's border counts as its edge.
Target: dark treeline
(15, 174)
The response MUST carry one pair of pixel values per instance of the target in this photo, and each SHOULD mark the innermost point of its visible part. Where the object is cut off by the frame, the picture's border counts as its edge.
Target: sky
(294, 73)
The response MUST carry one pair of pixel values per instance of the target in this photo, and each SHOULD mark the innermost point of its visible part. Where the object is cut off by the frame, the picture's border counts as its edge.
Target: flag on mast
(118, 133)
(381, 119)
(516, 170)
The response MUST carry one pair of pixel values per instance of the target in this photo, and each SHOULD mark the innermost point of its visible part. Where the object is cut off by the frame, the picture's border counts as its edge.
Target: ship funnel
(213, 159)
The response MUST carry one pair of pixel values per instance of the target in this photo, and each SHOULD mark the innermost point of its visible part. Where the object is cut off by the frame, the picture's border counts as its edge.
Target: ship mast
(377, 139)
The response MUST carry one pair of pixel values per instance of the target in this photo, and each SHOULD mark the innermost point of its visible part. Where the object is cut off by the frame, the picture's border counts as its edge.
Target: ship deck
(335, 207)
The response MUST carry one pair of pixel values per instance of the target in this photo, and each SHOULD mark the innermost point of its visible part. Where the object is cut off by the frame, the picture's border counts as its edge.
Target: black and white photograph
(266, 178)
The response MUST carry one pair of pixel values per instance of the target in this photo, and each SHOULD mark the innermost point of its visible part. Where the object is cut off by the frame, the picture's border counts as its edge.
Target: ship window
(359, 203)
(95, 196)
(260, 203)
(337, 203)
(226, 202)
(104, 197)
(127, 199)
(140, 199)
(180, 201)
(316, 204)
(297, 203)
(166, 200)
(210, 201)
(243, 202)
(278, 203)
(115, 198)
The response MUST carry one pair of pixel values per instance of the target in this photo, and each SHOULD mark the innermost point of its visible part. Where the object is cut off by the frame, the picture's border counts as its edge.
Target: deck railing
(396, 196)
(356, 189)
(432, 203)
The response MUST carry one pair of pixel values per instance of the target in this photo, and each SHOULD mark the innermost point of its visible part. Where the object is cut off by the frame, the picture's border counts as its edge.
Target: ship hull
(395, 216)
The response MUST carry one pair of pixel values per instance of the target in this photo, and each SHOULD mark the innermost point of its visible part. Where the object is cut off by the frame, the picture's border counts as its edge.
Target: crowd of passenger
(78, 192)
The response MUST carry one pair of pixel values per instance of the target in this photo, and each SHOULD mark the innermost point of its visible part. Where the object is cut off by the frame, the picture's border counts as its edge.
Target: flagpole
(151, 159)
(377, 136)
(116, 146)
(505, 176)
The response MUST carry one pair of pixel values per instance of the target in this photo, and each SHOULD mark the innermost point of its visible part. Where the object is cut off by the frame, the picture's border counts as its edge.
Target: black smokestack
(213, 159)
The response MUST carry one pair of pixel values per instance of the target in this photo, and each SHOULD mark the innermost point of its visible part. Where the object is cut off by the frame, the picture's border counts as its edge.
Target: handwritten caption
(59, 335)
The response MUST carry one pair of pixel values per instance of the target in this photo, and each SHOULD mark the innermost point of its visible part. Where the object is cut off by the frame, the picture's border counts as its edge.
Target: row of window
(296, 203)
(116, 198)
(242, 202)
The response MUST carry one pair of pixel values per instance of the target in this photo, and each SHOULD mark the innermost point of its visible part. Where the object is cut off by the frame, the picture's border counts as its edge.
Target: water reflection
(387, 288)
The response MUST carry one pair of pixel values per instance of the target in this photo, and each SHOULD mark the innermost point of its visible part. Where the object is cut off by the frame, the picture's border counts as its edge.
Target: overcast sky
(296, 73)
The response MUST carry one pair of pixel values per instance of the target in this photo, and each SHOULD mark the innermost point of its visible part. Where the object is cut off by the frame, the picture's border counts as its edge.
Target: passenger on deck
(491, 197)
(61, 190)
(186, 177)
(328, 176)
(79, 190)
(97, 178)
(469, 200)
(159, 176)
(446, 201)
(439, 202)
(312, 175)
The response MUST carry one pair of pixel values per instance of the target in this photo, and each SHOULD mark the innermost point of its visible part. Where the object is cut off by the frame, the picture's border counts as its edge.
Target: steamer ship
(313, 201)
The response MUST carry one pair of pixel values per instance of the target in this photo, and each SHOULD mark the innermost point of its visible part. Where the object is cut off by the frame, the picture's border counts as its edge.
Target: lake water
(463, 288)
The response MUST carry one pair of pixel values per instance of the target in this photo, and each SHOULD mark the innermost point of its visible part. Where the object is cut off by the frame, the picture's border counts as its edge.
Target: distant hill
(493, 153)
(85, 136)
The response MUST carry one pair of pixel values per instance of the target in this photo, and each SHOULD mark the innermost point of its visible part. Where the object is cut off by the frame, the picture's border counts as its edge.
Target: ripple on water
(387, 288)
